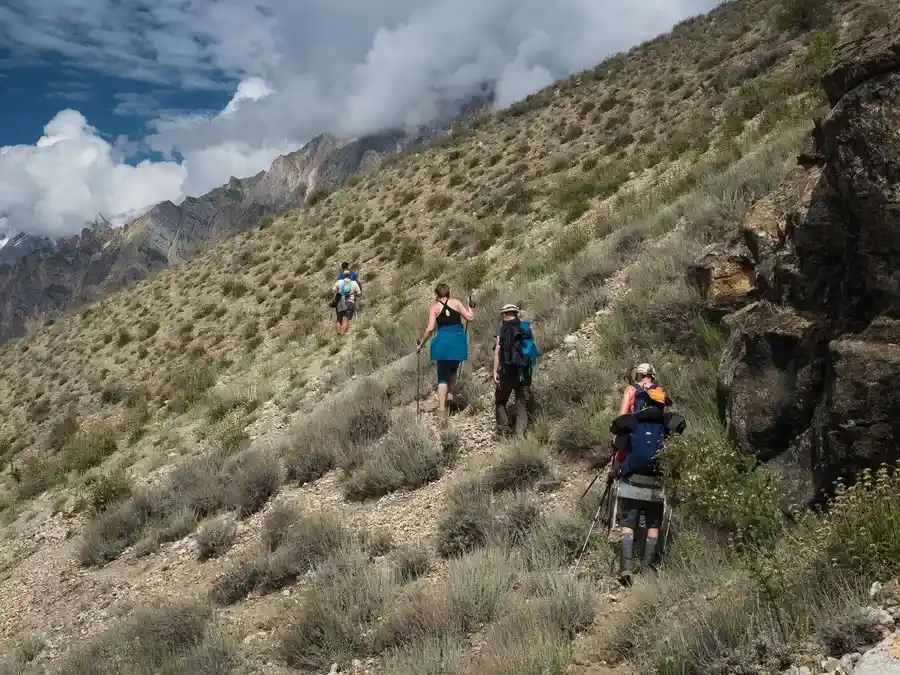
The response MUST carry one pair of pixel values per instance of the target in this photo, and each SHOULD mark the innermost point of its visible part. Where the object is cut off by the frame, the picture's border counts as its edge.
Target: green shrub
(466, 521)
(177, 639)
(215, 537)
(473, 274)
(108, 490)
(189, 385)
(410, 564)
(231, 435)
(406, 458)
(63, 430)
(341, 605)
(252, 478)
(520, 466)
(804, 15)
(89, 448)
(720, 489)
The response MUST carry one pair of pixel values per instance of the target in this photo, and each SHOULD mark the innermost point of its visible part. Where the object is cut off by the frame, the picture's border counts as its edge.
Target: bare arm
(625, 405)
(429, 327)
(466, 312)
(497, 360)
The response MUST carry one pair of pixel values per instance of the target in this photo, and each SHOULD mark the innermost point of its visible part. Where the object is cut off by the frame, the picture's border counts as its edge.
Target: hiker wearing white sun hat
(644, 394)
(515, 353)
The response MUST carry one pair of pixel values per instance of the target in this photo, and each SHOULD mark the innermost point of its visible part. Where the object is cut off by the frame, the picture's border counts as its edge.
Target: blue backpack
(518, 349)
(530, 351)
(649, 435)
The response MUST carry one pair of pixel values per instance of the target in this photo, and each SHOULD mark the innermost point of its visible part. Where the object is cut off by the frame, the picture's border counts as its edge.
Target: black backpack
(515, 339)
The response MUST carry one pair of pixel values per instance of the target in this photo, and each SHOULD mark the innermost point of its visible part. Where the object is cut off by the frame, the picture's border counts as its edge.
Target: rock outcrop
(810, 288)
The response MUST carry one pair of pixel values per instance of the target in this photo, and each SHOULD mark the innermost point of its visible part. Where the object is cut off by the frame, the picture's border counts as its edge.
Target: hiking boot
(625, 578)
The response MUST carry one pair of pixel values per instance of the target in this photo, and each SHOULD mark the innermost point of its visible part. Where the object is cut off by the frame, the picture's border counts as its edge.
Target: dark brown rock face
(810, 288)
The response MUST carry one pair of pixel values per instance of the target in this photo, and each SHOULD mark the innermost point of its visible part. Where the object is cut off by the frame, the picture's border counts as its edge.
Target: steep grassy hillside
(204, 437)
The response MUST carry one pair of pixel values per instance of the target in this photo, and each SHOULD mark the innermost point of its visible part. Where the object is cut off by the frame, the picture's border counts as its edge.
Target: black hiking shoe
(625, 578)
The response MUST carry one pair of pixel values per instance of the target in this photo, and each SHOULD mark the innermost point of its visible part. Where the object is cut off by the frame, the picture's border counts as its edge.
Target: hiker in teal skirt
(450, 345)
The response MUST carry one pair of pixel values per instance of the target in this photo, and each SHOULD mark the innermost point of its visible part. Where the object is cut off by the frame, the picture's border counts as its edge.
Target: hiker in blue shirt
(345, 267)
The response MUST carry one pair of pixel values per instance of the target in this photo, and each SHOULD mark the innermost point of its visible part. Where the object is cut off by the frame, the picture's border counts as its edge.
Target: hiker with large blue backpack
(640, 432)
(515, 358)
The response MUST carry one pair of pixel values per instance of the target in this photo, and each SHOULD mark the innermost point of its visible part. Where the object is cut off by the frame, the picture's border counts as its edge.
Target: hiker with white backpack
(346, 292)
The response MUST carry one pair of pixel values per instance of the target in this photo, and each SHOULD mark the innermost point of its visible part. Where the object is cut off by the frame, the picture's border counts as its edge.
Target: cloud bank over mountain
(348, 67)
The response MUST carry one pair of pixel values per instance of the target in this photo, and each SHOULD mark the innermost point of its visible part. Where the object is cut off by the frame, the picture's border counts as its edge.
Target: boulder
(857, 61)
(862, 143)
(769, 378)
(857, 424)
(883, 659)
(725, 277)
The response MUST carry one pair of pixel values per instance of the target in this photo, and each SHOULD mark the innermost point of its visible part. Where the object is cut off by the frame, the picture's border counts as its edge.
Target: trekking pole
(418, 379)
(596, 476)
(471, 303)
(590, 485)
(603, 504)
(665, 534)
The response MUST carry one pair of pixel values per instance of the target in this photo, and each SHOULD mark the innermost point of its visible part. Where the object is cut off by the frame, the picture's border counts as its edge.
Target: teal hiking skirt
(450, 343)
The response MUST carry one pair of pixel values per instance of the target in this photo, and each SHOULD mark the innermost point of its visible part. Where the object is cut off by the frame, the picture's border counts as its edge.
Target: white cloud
(348, 67)
(71, 175)
(252, 89)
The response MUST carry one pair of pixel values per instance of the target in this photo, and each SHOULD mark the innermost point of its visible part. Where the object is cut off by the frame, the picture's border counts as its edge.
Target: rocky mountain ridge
(39, 279)
(16, 245)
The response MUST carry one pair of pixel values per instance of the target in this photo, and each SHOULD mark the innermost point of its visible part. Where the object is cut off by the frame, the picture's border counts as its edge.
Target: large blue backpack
(518, 349)
(649, 435)
(530, 351)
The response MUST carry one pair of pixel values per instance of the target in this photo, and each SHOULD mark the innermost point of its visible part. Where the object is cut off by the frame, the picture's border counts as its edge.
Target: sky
(120, 104)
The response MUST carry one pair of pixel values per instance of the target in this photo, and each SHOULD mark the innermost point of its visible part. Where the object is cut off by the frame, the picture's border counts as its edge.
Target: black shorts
(345, 314)
(446, 370)
(631, 509)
